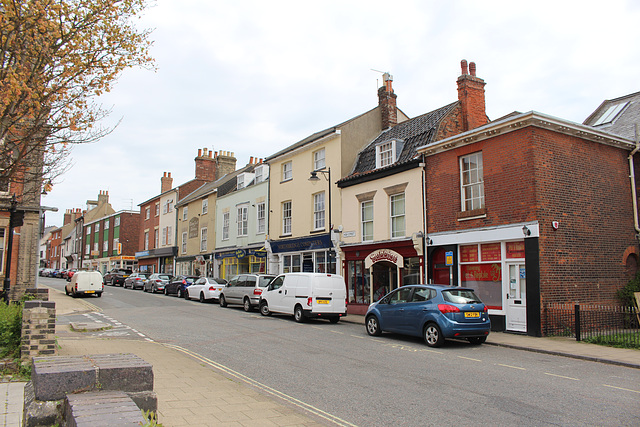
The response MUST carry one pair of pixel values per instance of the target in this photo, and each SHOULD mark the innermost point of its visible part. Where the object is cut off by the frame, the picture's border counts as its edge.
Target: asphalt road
(387, 380)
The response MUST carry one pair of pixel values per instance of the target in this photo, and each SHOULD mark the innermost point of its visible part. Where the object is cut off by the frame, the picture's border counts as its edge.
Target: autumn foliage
(56, 58)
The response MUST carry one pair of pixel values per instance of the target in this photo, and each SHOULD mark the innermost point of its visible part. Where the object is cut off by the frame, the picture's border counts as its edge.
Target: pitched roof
(211, 187)
(414, 133)
(617, 116)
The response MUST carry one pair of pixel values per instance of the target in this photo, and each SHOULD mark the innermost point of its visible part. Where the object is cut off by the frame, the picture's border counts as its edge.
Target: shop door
(517, 298)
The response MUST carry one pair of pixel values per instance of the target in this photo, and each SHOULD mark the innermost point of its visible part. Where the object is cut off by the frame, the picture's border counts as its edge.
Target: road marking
(357, 336)
(468, 358)
(513, 367)
(318, 412)
(620, 388)
(561, 376)
(337, 332)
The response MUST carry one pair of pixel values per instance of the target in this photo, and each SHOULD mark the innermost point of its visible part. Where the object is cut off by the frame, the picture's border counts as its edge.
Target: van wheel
(222, 301)
(297, 314)
(264, 309)
(99, 295)
(334, 319)
(247, 305)
(373, 327)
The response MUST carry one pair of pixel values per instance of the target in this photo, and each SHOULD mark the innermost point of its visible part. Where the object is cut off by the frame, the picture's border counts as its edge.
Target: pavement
(195, 391)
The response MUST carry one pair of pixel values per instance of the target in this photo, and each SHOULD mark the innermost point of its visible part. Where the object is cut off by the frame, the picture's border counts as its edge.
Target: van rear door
(329, 294)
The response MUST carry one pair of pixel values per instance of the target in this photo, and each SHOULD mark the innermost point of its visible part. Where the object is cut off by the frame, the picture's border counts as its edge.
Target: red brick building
(533, 210)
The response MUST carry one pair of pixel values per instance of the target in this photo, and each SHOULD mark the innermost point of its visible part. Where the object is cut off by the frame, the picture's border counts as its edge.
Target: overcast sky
(253, 77)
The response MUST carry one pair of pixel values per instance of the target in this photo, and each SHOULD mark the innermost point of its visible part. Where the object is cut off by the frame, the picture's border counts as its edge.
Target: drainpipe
(424, 220)
(632, 176)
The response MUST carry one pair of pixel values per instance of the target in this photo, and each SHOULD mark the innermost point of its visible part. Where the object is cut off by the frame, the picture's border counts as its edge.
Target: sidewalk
(190, 392)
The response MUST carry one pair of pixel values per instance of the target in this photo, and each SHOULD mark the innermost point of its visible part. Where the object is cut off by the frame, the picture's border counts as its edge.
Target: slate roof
(414, 132)
(211, 187)
(623, 124)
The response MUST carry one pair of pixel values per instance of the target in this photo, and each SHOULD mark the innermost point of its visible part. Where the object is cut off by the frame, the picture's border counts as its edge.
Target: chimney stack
(471, 97)
(205, 166)
(387, 102)
(226, 163)
(67, 217)
(166, 182)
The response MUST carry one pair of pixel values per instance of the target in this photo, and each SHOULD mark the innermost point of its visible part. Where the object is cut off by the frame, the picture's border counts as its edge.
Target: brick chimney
(67, 217)
(205, 165)
(471, 97)
(103, 197)
(166, 182)
(226, 163)
(387, 102)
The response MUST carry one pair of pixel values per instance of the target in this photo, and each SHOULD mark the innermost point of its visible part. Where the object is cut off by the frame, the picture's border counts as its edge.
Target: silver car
(155, 282)
(245, 289)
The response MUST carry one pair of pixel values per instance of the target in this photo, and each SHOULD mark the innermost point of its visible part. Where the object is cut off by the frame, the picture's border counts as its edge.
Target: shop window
(481, 270)
(472, 182)
(257, 265)
(291, 264)
(397, 216)
(318, 211)
(358, 283)
(366, 212)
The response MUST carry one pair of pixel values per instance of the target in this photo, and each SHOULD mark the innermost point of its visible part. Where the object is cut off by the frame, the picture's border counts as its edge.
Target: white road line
(512, 367)
(468, 358)
(621, 388)
(562, 376)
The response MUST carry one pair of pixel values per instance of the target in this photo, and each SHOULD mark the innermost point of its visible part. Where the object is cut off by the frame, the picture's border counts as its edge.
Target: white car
(206, 289)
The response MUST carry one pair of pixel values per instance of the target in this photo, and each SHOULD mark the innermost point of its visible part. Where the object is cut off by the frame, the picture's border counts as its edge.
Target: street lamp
(327, 175)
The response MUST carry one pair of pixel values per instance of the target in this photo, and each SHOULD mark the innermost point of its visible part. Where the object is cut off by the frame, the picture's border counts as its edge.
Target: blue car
(433, 312)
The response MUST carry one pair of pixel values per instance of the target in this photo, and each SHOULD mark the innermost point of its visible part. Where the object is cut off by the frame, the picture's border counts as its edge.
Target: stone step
(101, 408)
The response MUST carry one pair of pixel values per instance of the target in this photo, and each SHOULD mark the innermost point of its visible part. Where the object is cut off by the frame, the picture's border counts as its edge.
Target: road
(385, 380)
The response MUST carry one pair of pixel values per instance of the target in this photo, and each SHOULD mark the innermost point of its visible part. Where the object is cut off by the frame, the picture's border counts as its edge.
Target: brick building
(111, 241)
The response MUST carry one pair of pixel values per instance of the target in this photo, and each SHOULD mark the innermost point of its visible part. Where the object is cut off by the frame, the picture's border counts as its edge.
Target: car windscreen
(164, 277)
(460, 296)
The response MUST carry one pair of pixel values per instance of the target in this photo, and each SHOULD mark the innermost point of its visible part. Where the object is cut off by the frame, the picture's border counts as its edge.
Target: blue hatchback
(434, 312)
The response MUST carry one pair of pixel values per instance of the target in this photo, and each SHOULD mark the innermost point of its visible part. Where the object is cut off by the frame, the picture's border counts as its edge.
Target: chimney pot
(199, 152)
(472, 68)
(463, 64)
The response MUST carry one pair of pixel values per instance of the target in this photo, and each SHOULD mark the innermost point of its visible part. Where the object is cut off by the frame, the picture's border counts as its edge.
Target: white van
(306, 295)
(85, 283)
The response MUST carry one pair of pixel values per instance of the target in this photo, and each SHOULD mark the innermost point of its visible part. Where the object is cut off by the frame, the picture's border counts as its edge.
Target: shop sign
(491, 252)
(481, 273)
(469, 253)
(322, 241)
(241, 253)
(193, 227)
(449, 258)
(384, 255)
(515, 250)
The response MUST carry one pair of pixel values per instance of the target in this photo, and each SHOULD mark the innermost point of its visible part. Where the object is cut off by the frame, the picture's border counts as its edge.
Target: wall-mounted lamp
(526, 231)
(429, 241)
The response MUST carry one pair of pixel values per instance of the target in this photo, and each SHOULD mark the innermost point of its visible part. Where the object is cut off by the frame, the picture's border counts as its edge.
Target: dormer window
(244, 179)
(610, 114)
(388, 152)
(262, 173)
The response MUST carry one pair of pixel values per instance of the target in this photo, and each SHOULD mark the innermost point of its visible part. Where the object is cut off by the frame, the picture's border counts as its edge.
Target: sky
(253, 77)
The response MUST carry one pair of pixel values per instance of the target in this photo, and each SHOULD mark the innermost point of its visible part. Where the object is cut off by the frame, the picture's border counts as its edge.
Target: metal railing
(609, 325)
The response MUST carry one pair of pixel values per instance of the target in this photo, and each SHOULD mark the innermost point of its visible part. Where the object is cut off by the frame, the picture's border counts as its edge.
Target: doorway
(516, 312)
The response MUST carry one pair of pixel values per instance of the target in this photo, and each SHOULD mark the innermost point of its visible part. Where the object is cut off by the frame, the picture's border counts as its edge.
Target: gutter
(632, 177)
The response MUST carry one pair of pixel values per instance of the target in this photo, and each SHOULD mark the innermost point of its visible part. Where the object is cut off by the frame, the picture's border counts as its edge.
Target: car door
(194, 290)
(392, 310)
(421, 306)
(239, 289)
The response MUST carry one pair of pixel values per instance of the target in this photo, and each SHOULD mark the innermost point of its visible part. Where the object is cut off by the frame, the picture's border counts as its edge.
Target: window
(106, 224)
(184, 242)
(105, 246)
(287, 171)
(4, 184)
(205, 206)
(262, 218)
(366, 209)
(95, 246)
(146, 240)
(318, 211)
(169, 234)
(472, 182)
(167, 207)
(116, 249)
(116, 222)
(185, 213)
(147, 213)
(243, 220)
(388, 152)
(318, 160)
(97, 227)
(259, 174)
(88, 230)
(203, 239)
(157, 209)
(397, 215)
(610, 114)
(156, 238)
(164, 236)
(286, 218)
(87, 249)
(225, 226)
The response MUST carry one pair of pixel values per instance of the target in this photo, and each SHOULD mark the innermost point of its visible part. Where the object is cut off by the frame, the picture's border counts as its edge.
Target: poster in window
(491, 252)
(515, 250)
(469, 253)
(486, 281)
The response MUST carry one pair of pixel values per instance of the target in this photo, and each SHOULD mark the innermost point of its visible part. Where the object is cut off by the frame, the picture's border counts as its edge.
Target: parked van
(245, 289)
(85, 283)
(306, 295)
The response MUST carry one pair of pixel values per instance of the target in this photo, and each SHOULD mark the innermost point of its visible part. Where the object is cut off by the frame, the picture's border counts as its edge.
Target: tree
(56, 58)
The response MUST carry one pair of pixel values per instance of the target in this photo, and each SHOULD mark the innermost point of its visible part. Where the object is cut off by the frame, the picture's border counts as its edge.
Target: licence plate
(322, 301)
(89, 292)
(472, 314)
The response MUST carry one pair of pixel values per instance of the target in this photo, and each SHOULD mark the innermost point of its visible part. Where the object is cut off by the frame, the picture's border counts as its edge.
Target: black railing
(609, 325)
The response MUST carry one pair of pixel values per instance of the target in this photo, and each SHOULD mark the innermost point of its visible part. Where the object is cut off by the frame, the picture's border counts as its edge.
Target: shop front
(240, 261)
(373, 270)
(159, 260)
(500, 264)
(198, 265)
(313, 254)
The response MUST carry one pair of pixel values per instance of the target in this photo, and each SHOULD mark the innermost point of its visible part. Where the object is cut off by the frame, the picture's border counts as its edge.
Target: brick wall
(38, 329)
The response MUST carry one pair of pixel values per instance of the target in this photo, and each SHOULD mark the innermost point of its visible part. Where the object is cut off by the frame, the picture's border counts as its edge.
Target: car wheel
(113, 283)
(373, 326)
(166, 291)
(223, 301)
(179, 293)
(153, 289)
(202, 297)
(297, 314)
(433, 336)
(66, 291)
(264, 309)
(144, 288)
(477, 340)
(247, 305)
(186, 294)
